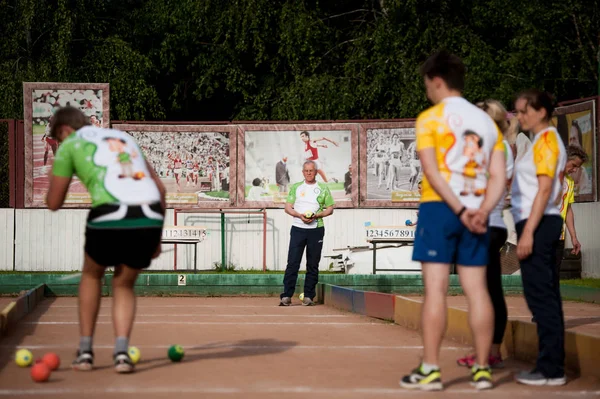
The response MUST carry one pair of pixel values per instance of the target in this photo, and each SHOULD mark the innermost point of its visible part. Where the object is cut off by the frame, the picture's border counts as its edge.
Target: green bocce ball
(176, 353)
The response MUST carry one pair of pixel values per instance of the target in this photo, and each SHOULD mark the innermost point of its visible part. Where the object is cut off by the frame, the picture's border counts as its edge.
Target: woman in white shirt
(537, 184)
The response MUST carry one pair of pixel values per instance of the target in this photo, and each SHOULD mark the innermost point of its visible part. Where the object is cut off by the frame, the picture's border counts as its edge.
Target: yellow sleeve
(425, 129)
(545, 155)
(499, 146)
(571, 194)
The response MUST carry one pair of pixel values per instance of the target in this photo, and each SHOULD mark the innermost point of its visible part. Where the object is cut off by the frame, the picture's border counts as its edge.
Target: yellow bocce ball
(23, 358)
(309, 214)
(134, 354)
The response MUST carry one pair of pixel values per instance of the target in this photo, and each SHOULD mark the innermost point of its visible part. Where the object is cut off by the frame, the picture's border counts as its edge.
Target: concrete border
(19, 308)
(520, 338)
(224, 284)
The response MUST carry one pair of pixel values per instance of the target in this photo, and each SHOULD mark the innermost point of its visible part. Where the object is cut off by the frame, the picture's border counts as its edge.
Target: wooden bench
(191, 235)
(400, 236)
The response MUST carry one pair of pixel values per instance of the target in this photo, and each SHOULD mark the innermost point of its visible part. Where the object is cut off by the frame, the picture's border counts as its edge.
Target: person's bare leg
(123, 300)
(481, 312)
(433, 316)
(90, 293)
(322, 174)
(123, 315)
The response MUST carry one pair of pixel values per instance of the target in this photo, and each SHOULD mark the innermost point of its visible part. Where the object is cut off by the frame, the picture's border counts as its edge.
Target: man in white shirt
(308, 202)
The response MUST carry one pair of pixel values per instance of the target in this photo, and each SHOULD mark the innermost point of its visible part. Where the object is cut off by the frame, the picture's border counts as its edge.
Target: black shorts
(132, 246)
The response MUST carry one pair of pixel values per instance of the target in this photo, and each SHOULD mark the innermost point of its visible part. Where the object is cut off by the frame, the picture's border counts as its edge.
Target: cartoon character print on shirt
(119, 157)
(475, 163)
(124, 157)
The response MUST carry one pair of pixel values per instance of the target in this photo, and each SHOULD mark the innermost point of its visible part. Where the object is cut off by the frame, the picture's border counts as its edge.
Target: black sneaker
(84, 361)
(123, 363)
(425, 382)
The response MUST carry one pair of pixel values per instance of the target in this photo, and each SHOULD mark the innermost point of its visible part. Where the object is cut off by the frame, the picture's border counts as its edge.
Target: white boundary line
(566, 317)
(227, 346)
(50, 307)
(214, 315)
(283, 390)
(212, 323)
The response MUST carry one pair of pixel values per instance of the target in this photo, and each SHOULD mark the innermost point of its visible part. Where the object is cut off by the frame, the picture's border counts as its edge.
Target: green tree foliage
(293, 60)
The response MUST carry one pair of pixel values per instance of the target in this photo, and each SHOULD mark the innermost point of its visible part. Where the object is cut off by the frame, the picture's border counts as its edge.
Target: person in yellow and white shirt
(498, 236)
(462, 158)
(536, 188)
(575, 158)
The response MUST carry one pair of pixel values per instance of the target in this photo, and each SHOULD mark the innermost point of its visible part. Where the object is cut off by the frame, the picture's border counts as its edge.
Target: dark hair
(256, 182)
(479, 139)
(447, 66)
(579, 132)
(574, 151)
(537, 100)
(306, 133)
(68, 116)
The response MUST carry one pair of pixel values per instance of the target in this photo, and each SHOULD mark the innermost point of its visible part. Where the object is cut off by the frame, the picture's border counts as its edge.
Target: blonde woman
(498, 235)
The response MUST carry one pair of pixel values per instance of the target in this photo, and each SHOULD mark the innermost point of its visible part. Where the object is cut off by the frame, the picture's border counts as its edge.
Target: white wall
(587, 225)
(47, 241)
(244, 236)
(53, 241)
(6, 238)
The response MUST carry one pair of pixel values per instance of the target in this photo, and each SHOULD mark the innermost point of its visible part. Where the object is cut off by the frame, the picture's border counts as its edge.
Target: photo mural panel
(40, 102)
(271, 156)
(390, 169)
(577, 126)
(196, 163)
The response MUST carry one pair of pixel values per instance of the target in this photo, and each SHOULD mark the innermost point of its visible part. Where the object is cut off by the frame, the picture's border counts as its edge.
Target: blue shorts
(442, 238)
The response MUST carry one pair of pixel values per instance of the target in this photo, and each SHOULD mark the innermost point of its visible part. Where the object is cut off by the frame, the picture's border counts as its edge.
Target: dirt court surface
(245, 348)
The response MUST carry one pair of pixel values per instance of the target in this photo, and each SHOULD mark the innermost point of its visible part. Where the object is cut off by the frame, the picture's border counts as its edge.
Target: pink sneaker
(467, 361)
(495, 362)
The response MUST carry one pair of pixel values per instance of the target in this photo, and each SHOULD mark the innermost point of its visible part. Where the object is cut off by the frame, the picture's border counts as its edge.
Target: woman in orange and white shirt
(536, 187)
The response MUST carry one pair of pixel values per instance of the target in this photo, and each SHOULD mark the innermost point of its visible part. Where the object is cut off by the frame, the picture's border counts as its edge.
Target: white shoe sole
(481, 385)
(82, 367)
(434, 386)
(548, 381)
(124, 368)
